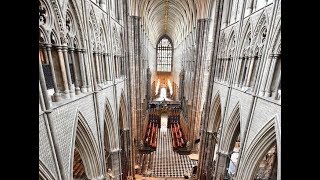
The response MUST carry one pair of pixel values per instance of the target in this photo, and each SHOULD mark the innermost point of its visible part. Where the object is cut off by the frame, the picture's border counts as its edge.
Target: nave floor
(166, 162)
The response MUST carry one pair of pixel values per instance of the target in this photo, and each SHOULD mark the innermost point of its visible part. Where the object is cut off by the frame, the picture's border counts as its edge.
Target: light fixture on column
(110, 174)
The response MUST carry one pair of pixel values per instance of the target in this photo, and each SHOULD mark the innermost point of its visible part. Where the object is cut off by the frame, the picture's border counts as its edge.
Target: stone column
(75, 69)
(202, 40)
(107, 67)
(82, 71)
(65, 56)
(275, 93)
(104, 67)
(66, 93)
(101, 67)
(43, 86)
(97, 67)
(216, 68)
(87, 70)
(221, 165)
(56, 94)
(115, 163)
(220, 69)
(251, 62)
(227, 69)
(237, 71)
(246, 73)
(274, 58)
(135, 63)
(231, 69)
(242, 71)
(258, 69)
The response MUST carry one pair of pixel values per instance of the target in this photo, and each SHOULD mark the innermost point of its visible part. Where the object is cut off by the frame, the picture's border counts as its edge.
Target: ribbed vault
(181, 16)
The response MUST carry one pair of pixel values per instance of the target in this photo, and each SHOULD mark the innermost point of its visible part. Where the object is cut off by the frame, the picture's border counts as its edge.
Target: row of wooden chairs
(151, 135)
(178, 140)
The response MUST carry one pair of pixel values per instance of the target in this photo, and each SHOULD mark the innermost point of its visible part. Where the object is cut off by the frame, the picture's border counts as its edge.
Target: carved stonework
(261, 23)
(63, 38)
(56, 9)
(68, 23)
(43, 14)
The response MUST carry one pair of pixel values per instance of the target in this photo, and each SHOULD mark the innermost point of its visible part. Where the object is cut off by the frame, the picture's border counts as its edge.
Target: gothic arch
(229, 129)
(73, 10)
(83, 139)
(43, 35)
(111, 135)
(214, 120)
(124, 124)
(60, 25)
(260, 26)
(54, 38)
(231, 45)
(47, 12)
(246, 34)
(254, 152)
(44, 173)
(106, 29)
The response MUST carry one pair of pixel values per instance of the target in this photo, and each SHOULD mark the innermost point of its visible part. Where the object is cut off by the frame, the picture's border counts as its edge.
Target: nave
(164, 161)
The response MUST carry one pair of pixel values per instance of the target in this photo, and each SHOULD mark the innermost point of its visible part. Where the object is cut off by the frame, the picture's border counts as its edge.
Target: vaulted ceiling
(176, 18)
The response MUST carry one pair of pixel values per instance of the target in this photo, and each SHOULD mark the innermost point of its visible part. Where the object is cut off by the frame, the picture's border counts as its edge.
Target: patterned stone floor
(166, 162)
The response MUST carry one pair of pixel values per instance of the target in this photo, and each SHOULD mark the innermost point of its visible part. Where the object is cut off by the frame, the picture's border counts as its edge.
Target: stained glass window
(164, 56)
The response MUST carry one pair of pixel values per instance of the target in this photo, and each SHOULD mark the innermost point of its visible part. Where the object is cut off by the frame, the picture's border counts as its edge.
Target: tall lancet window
(164, 55)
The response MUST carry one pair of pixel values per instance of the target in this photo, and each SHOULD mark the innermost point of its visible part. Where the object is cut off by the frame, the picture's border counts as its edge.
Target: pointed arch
(124, 124)
(54, 38)
(215, 114)
(73, 10)
(261, 24)
(111, 138)
(246, 35)
(59, 23)
(43, 38)
(83, 139)
(232, 127)
(230, 46)
(255, 151)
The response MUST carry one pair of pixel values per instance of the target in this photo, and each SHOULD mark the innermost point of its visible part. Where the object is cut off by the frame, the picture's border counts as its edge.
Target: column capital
(64, 47)
(71, 48)
(47, 45)
(58, 47)
(274, 55)
(41, 45)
